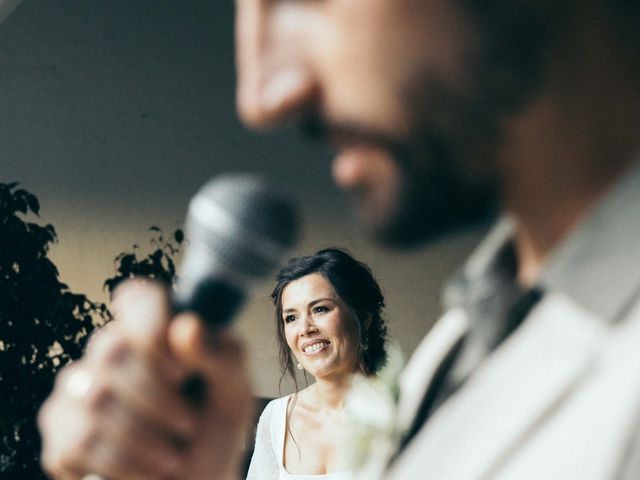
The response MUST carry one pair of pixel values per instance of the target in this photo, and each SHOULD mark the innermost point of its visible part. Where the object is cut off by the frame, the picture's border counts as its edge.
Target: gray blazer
(559, 399)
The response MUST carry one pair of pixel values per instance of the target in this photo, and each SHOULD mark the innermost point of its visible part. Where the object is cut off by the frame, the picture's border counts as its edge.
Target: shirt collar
(597, 265)
(481, 273)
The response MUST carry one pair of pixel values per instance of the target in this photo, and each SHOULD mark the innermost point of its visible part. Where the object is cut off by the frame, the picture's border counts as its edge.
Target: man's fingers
(107, 430)
(120, 411)
(143, 310)
(201, 349)
(156, 401)
(131, 445)
(218, 359)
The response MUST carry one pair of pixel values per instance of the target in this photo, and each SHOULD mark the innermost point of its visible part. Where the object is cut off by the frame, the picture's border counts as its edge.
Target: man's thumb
(217, 362)
(206, 352)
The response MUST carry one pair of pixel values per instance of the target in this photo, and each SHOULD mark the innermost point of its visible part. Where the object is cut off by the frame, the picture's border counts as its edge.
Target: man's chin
(410, 227)
(399, 236)
(392, 230)
(409, 237)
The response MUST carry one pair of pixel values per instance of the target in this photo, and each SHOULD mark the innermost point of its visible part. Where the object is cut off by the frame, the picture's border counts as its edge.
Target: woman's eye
(289, 318)
(320, 309)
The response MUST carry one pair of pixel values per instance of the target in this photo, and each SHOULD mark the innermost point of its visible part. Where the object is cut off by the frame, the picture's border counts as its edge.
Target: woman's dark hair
(354, 283)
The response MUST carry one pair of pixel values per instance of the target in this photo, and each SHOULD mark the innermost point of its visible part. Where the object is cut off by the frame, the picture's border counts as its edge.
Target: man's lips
(363, 167)
(351, 168)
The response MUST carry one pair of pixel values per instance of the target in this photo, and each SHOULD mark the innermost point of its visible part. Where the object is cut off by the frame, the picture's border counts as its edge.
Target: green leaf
(33, 203)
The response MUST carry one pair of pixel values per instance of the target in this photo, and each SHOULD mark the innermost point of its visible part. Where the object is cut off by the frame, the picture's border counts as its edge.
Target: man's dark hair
(517, 38)
(354, 283)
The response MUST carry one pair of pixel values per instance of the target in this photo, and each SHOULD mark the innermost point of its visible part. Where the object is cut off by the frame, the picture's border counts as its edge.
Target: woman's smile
(315, 347)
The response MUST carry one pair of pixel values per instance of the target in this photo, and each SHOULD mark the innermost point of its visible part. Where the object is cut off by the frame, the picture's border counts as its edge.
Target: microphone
(239, 228)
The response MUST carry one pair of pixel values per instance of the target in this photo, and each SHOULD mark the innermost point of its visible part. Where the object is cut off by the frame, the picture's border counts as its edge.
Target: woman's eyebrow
(310, 304)
(323, 299)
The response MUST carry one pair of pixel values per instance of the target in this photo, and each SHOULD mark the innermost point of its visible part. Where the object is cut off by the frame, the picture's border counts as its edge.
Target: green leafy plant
(158, 264)
(43, 324)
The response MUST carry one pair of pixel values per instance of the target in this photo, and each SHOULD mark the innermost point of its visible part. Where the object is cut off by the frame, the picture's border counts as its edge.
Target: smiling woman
(329, 322)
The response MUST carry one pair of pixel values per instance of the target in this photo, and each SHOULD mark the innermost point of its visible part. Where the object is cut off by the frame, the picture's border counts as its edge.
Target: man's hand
(121, 412)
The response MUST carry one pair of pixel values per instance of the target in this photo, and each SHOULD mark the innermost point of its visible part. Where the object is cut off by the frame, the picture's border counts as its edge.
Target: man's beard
(433, 190)
(450, 177)
(452, 171)
(446, 180)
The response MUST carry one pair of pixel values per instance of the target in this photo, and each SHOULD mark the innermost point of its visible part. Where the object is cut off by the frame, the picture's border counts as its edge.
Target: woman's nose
(307, 325)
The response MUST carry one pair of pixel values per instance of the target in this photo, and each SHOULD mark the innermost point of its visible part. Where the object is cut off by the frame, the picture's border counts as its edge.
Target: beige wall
(113, 113)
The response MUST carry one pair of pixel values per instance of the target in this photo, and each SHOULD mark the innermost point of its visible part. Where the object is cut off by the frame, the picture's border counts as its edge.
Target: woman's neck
(328, 393)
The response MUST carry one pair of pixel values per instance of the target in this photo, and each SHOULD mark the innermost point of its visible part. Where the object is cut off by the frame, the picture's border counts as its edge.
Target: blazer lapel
(510, 395)
(419, 373)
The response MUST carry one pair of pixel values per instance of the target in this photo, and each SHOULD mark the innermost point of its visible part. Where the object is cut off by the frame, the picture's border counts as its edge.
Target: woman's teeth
(315, 347)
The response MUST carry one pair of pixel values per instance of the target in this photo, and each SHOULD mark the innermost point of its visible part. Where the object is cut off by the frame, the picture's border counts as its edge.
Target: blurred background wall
(114, 112)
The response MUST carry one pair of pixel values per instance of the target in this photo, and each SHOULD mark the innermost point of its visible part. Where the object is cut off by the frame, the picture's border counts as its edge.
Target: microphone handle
(217, 303)
(214, 300)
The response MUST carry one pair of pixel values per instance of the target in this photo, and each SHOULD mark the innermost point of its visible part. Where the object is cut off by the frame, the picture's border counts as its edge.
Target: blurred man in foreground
(441, 112)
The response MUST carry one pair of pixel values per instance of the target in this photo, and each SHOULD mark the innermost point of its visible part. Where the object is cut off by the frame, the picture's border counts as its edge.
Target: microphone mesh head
(239, 228)
(256, 204)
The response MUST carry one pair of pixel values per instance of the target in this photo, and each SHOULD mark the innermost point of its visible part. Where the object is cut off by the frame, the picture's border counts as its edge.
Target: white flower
(372, 408)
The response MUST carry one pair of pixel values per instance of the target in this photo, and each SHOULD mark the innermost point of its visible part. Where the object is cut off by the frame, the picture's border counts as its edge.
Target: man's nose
(275, 84)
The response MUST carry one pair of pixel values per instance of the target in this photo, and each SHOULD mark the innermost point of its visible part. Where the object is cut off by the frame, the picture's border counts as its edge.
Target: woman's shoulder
(277, 405)
(280, 401)
(277, 408)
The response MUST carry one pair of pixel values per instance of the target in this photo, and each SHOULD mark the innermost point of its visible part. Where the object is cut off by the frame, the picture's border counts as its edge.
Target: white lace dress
(267, 461)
